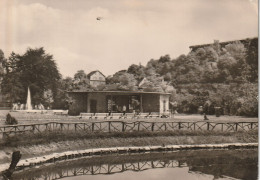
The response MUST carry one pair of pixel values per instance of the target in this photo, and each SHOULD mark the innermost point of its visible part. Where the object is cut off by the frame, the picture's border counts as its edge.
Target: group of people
(18, 106)
(119, 109)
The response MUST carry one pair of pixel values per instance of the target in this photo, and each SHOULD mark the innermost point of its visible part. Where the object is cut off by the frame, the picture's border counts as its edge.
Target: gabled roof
(141, 82)
(93, 72)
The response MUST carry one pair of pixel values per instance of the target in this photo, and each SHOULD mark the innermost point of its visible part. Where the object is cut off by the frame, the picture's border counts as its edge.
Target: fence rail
(122, 126)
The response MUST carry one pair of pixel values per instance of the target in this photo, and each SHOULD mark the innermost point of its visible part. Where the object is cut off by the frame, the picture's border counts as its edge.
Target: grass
(27, 118)
(31, 145)
(58, 136)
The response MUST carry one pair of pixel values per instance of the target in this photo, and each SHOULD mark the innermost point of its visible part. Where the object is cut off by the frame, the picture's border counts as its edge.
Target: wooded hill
(219, 74)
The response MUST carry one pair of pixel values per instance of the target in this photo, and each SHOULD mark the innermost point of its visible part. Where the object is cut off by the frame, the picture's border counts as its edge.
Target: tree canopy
(34, 69)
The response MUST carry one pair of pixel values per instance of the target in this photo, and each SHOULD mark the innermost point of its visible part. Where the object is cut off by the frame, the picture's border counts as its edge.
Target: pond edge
(54, 157)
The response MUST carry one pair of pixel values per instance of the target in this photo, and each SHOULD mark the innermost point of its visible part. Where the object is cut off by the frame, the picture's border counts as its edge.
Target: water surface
(186, 165)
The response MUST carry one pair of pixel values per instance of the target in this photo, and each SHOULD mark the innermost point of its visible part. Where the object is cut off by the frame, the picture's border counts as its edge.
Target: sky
(129, 32)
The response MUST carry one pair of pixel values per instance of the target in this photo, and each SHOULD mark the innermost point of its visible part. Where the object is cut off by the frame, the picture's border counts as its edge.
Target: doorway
(93, 106)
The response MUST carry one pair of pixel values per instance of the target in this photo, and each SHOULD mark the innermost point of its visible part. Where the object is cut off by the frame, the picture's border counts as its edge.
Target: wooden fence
(122, 126)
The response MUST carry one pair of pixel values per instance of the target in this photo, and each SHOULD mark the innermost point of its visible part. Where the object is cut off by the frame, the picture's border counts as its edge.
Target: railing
(122, 126)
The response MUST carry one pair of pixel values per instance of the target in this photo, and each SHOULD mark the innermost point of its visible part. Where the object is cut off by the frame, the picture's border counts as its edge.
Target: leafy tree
(124, 81)
(2, 59)
(67, 84)
(137, 71)
(34, 69)
(252, 60)
(81, 81)
(11, 84)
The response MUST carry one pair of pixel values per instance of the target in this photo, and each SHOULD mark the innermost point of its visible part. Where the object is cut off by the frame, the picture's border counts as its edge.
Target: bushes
(10, 120)
(234, 99)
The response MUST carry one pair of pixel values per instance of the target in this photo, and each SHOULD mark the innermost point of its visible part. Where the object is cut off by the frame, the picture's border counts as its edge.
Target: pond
(186, 165)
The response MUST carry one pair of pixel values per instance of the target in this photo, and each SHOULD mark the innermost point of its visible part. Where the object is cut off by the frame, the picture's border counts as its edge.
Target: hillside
(219, 74)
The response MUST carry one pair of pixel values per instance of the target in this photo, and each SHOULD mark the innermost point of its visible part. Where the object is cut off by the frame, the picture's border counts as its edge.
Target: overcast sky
(130, 31)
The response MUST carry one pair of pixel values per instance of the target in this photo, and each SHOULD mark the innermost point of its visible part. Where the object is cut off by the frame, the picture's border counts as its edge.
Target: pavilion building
(113, 101)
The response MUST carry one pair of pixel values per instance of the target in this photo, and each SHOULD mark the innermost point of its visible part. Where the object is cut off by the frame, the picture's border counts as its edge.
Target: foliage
(34, 69)
(211, 76)
(10, 120)
(122, 80)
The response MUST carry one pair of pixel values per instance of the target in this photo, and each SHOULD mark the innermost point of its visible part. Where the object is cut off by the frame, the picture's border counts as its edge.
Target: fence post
(109, 126)
(179, 125)
(165, 126)
(251, 124)
(93, 125)
(208, 126)
(123, 126)
(139, 126)
(75, 127)
(236, 126)
(33, 128)
(152, 126)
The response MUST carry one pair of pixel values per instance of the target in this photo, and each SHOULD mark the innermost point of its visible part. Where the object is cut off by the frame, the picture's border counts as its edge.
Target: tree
(252, 60)
(11, 85)
(81, 81)
(34, 69)
(2, 59)
(123, 81)
(137, 71)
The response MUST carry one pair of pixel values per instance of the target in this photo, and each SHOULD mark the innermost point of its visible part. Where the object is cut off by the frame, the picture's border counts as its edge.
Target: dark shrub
(10, 120)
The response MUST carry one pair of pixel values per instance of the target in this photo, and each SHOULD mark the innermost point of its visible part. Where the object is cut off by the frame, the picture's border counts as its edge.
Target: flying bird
(99, 18)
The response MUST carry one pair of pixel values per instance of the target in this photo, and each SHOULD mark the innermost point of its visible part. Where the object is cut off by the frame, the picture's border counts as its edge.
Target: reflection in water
(199, 164)
(152, 174)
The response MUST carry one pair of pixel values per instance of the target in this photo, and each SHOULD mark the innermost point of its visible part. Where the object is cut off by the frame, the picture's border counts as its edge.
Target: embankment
(44, 144)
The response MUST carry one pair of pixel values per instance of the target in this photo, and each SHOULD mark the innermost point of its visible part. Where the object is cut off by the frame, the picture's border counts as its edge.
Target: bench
(117, 115)
(32, 111)
(154, 115)
(86, 115)
(65, 112)
(129, 116)
(166, 115)
(142, 115)
(101, 116)
(61, 112)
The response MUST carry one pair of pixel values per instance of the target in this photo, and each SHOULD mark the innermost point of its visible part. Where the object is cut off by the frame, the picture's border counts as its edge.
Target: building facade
(96, 78)
(114, 101)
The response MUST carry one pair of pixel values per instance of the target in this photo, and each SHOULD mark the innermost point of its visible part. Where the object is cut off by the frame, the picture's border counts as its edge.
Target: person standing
(124, 110)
